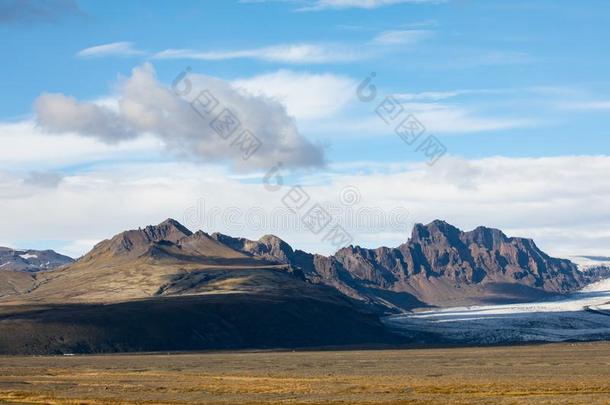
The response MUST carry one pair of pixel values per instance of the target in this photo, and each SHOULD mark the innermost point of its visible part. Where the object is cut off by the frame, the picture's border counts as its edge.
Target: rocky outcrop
(268, 247)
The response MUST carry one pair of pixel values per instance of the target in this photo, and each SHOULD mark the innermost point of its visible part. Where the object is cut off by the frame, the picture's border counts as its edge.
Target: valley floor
(552, 373)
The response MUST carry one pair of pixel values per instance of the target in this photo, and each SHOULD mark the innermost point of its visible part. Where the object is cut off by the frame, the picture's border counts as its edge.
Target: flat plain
(538, 374)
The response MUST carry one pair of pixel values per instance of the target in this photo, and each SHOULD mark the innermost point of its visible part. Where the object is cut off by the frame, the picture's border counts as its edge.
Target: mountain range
(439, 265)
(164, 287)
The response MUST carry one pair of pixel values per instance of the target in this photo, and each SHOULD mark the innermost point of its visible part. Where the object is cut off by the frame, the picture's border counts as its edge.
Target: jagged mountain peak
(489, 238)
(201, 234)
(169, 229)
(137, 242)
(439, 230)
(268, 247)
(436, 231)
(275, 242)
(270, 237)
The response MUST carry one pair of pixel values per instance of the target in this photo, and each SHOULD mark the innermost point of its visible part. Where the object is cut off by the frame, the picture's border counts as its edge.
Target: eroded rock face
(438, 265)
(486, 255)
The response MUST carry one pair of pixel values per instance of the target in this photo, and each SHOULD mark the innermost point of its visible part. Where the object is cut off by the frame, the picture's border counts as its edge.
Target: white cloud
(287, 53)
(429, 95)
(305, 95)
(307, 53)
(597, 105)
(443, 95)
(112, 49)
(478, 58)
(43, 179)
(563, 202)
(401, 37)
(437, 118)
(364, 4)
(25, 146)
(449, 119)
(61, 113)
(145, 106)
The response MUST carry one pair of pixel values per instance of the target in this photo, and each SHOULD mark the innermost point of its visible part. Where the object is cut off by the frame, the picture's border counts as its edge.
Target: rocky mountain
(31, 260)
(439, 265)
(165, 288)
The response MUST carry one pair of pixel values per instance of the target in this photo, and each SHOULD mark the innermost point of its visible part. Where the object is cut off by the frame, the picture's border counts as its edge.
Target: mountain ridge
(165, 288)
(438, 265)
(431, 266)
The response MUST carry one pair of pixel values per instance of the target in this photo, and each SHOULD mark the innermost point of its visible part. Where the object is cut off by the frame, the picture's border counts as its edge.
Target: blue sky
(468, 45)
(513, 84)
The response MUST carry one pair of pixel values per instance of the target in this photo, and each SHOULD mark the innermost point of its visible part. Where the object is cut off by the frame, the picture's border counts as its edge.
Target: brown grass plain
(535, 374)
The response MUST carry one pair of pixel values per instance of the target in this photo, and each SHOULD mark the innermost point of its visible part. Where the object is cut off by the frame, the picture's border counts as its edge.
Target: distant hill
(31, 260)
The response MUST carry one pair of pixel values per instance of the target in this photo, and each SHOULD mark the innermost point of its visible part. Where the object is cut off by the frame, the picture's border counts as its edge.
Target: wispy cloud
(545, 91)
(285, 53)
(595, 105)
(307, 53)
(402, 37)
(449, 119)
(112, 49)
(429, 95)
(438, 118)
(318, 5)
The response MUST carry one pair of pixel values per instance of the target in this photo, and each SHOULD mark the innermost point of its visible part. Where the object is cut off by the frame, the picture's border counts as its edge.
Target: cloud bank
(563, 202)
